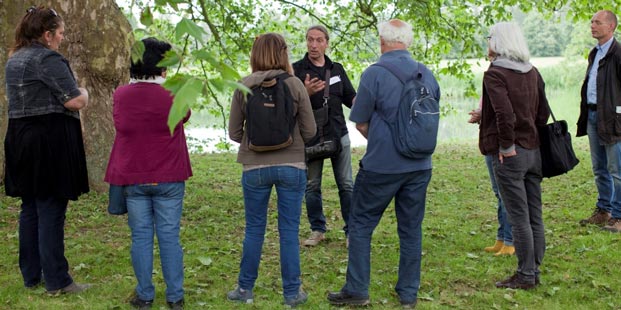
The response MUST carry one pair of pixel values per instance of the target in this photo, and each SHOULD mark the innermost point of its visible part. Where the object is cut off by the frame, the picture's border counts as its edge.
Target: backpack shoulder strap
(396, 71)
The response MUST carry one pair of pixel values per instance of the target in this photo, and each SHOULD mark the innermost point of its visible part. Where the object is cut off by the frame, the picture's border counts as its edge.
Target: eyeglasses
(489, 37)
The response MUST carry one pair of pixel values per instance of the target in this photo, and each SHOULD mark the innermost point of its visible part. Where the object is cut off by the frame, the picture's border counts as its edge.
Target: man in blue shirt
(600, 109)
(385, 174)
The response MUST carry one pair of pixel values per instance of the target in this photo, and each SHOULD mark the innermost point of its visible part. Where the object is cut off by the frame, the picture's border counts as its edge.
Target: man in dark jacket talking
(312, 70)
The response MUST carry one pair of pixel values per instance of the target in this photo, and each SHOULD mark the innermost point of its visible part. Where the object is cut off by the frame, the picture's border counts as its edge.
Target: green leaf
(175, 82)
(170, 59)
(187, 94)
(228, 72)
(137, 51)
(203, 54)
(146, 17)
(187, 26)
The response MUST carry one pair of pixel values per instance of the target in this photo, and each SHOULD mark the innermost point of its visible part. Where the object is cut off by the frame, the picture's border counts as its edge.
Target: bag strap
(326, 90)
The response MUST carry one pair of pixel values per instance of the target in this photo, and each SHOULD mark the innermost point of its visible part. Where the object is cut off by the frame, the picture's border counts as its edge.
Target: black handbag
(325, 144)
(116, 200)
(557, 153)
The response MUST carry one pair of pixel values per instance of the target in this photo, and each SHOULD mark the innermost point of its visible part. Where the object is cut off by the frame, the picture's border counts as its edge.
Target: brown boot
(495, 248)
(614, 225)
(599, 217)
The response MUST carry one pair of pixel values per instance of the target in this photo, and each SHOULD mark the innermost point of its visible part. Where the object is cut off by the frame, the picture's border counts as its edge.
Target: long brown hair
(269, 52)
(33, 25)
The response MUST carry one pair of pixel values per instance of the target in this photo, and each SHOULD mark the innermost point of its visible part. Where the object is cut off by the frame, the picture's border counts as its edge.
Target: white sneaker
(314, 239)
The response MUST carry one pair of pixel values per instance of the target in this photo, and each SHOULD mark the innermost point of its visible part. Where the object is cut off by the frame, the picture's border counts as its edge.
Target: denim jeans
(519, 183)
(257, 185)
(341, 166)
(372, 194)
(156, 208)
(42, 242)
(606, 160)
(504, 224)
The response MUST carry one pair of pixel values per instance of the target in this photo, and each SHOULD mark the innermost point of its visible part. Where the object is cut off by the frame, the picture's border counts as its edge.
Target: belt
(592, 107)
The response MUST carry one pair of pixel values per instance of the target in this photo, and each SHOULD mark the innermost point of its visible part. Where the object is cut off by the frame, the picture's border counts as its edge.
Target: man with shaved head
(385, 174)
(600, 120)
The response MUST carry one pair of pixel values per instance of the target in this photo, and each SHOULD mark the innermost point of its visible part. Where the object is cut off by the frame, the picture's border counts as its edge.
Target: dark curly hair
(154, 51)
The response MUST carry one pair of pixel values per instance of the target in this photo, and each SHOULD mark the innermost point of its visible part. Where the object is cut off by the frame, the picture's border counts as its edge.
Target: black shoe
(141, 304)
(341, 299)
(178, 305)
(408, 304)
(515, 282)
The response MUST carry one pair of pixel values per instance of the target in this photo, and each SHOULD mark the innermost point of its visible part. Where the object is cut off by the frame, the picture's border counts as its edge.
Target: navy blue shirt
(39, 81)
(377, 99)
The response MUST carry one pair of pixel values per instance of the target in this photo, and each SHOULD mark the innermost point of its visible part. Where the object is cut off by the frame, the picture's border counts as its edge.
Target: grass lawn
(580, 270)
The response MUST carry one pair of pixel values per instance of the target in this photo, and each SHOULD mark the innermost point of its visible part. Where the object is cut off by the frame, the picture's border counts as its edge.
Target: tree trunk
(97, 44)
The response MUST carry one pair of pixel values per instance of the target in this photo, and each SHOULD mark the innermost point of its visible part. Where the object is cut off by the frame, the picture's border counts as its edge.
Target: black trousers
(41, 242)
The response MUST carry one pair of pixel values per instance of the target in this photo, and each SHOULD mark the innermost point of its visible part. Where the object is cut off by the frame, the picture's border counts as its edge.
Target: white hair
(394, 31)
(506, 39)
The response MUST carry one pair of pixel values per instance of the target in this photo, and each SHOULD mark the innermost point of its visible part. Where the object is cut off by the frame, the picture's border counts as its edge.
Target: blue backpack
(415, 128)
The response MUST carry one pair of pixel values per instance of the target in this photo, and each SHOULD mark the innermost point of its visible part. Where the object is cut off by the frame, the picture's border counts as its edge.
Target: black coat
(608, 96)
(341, 93)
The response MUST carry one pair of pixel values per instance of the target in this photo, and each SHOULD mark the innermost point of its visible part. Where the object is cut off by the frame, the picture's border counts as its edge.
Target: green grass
(580, 267)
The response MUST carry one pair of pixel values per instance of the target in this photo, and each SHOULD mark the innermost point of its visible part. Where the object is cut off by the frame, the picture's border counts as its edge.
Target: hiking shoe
(140, 304)
(515, 282)
(343, 299)
(240, 295)
(408, 304)
(614, 225)
(72, 288)
(297, 300)
(178, 305)
(599, 217)
(314, 239)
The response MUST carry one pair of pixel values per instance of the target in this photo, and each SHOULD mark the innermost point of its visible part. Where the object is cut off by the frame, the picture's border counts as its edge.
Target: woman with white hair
(514, 105)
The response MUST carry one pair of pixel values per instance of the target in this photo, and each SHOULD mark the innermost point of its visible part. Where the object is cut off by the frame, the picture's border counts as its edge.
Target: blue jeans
(606, 160)
(372, 194)
(257, 185)
(42, 242)
(341, 166)
(504, 224)
(519, 183)
(156, 208)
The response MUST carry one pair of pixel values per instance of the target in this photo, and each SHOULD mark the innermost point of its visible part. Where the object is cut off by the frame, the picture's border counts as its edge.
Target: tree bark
(97, 44)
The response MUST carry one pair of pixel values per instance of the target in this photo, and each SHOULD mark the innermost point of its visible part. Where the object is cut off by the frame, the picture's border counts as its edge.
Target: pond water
(452, 127)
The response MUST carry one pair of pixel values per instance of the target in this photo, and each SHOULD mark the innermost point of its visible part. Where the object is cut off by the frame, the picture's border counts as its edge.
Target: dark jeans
(341, 166)
(41, 242)
(372, 194)
(519, 182)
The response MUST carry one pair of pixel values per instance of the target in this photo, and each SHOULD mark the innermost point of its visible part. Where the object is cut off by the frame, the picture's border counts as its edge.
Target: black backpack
(269, 115)
(415, 128)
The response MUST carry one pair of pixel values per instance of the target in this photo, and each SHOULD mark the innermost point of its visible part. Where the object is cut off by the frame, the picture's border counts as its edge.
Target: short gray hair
(394, 31)
(506, 39)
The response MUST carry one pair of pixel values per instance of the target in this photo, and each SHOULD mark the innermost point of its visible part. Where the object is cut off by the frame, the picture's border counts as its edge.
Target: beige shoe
(614, 225)
(72, 288)
(494, 248)
(314, 239)
(506, 250)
